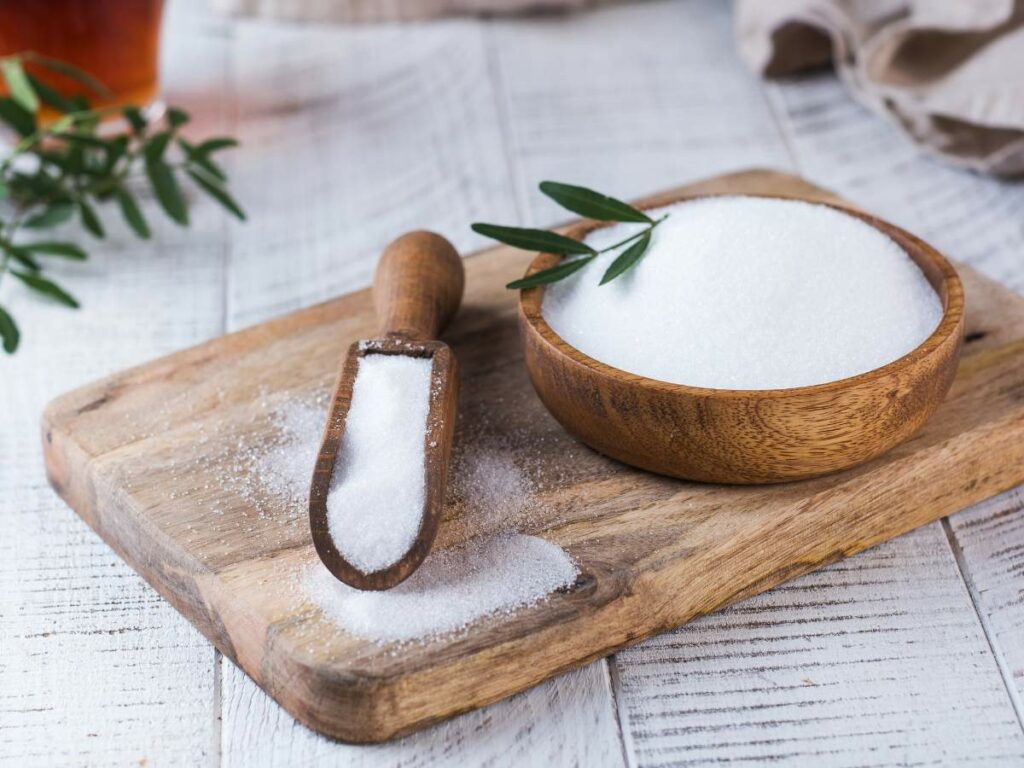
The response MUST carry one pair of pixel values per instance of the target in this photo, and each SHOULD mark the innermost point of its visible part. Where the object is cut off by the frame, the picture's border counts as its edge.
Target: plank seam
(231, 118)
(621, 716)
(216, 752)
(503, 114)
(990, 636)
(771, 92)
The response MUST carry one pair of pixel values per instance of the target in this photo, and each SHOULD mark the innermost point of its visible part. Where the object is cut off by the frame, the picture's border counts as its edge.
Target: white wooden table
(911, 653)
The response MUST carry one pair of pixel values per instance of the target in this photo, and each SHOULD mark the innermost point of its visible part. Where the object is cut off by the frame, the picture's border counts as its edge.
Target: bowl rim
(951, 322)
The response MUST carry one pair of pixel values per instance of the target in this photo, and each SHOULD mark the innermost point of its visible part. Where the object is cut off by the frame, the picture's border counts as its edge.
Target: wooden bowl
(747, 436)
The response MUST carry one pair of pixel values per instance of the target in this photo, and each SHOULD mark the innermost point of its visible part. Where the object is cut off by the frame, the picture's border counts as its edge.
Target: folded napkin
(950, 73)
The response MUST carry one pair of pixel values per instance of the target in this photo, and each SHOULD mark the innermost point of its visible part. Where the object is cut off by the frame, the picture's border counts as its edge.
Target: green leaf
(216, 145)
(54, 248)
(90, 220)
(135, 119)
(116, 149)
(533, 239)
(4, 191)
(17, 83)
(155, 146)
(84, 139)
(628, 258)
(54, 214)
(22, 256)
(132, 214)
(51, 98)
(9, 331)
(218, 193)
(168, 194)
(69, 70)
(24, 123)
(202, 160)
(593, 205)
(177, 117)
(552, 274)
(46, 287)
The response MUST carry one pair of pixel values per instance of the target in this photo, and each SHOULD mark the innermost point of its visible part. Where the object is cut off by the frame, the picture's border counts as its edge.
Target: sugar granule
(749, 293)
(453, 589)
(375, 502)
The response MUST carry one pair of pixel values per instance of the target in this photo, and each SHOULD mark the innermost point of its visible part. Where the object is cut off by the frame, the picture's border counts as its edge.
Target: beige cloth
(385, 10)
(949, 72)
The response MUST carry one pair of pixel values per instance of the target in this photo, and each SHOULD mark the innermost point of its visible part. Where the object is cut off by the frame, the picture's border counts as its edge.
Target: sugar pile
(494, 571)
(375, 502)
(452, 589)
(749, 293)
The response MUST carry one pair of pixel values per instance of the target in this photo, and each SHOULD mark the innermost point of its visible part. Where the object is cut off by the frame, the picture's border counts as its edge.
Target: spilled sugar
(453, 589)
(375, 502)
(495, 572)
(749, 293)
(285, 467)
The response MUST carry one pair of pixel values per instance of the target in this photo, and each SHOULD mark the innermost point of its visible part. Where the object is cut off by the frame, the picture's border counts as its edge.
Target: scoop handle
(418, 286)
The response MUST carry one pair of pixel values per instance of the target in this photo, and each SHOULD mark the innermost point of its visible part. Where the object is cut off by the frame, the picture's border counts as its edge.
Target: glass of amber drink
(115, 41)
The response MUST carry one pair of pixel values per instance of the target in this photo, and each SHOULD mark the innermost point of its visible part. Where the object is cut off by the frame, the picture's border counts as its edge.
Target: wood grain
(635, 536)
(746, 436)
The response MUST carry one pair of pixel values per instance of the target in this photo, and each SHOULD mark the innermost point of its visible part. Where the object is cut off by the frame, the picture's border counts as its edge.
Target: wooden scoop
(416, 292)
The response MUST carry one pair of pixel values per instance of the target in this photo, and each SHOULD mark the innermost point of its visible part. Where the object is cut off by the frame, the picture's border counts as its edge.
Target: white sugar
(453, 589)
(492, 573)
(375, 502)
(749, 293)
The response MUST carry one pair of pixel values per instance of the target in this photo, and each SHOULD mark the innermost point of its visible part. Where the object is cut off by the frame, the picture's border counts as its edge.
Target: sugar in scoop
(749, 293)
(378, 488)
(377, 492)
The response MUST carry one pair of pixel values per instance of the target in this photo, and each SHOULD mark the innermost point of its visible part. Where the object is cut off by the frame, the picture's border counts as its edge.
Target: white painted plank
(351, 137)
(562, 722)
(838, 143)
(629, 99)
(989, 538)
(973, 219)
(95, 668)
(879, 660)
(902, 669)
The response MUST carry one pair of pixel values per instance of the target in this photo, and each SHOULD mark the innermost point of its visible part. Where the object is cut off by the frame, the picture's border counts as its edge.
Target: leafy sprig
(67, 169)
(588, 203)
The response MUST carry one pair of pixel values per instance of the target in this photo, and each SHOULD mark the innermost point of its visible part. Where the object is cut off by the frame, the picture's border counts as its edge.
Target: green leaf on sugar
(593, 205)
(533, 239)
(550, 275)
(627, 259)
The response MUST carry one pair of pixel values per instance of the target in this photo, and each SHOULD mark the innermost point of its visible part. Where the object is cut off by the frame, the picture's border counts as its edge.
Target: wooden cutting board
(143, 455)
